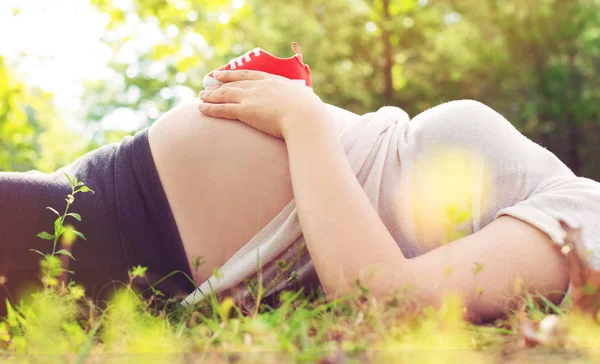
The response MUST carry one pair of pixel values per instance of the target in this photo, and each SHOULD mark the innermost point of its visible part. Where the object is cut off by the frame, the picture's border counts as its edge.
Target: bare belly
(224, 180)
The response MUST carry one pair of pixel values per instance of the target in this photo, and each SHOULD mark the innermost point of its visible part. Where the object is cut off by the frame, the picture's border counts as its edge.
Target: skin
(222, 202)
(339, 221)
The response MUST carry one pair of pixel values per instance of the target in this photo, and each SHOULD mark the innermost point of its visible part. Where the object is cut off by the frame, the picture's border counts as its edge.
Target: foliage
(535, 62)
(16, 132)
(68, 234)
(31, 132)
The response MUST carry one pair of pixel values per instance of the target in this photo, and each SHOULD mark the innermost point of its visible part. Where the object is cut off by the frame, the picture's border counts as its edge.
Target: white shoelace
(245, 57)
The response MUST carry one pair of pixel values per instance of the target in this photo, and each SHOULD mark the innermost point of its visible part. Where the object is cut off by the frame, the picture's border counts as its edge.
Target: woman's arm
(346, 238)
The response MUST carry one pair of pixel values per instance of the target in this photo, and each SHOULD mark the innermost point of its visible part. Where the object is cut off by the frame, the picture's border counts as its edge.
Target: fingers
(222, 95)
(241, 75)
(223, 102)
(225, 111)
(246, 85)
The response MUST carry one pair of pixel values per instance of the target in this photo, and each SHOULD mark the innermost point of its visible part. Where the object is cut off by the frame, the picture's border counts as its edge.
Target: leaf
(76, 291)
(225, 308)
(84, 189)
(292, 276)
(44, 235)
(75, 216)
(66, 252)
(79, 234)
(157, 292)
(75, 181)
(53, 210)
(58, 226)
(50, 281)
(552, 306)
(68, 177)
(198, 261)
(37, 251)
(11, 315)
(4, 335)
(89, 341)
(217, 272)
(139, 271)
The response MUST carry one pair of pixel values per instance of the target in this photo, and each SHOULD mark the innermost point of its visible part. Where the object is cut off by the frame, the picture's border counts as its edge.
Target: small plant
(48, 322)
(51, 262)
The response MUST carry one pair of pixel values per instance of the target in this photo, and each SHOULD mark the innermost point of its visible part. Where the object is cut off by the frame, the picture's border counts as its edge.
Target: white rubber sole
(210, 82)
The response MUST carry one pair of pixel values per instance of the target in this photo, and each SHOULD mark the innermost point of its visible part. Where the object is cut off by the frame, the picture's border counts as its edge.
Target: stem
(57, 234)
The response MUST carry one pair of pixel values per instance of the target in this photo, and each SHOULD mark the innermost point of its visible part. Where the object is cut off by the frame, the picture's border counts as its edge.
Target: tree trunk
(574, 135)
(574, 139)
(388, 90)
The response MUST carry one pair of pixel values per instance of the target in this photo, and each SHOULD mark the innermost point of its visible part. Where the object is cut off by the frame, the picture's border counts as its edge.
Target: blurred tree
(17, 129)
(535, 62)
(32, 136)
(551, 52)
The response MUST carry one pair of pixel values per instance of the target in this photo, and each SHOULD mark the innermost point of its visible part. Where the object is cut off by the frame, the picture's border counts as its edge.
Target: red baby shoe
(260, 60)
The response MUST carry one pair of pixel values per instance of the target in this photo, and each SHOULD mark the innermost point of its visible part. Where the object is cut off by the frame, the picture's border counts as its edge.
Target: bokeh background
(76, 74)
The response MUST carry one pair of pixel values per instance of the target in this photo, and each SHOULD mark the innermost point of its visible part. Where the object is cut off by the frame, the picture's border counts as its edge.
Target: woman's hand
(271, 104)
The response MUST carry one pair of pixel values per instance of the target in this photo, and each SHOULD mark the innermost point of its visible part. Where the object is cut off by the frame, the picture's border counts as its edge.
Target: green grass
(58, 327)
(59, 324)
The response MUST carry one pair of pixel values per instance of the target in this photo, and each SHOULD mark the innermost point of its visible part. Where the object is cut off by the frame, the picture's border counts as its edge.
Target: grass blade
(89, 342)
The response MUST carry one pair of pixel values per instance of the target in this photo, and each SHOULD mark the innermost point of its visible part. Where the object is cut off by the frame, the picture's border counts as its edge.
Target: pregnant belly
(224, 180)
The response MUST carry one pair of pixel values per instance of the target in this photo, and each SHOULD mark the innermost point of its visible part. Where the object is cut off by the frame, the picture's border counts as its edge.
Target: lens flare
(449, 190)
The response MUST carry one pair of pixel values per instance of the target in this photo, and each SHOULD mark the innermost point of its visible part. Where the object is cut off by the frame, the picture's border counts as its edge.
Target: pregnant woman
(358, 192)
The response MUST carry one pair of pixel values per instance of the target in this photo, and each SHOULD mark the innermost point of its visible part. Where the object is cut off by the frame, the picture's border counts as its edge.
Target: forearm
(347, 241)
(344, 234)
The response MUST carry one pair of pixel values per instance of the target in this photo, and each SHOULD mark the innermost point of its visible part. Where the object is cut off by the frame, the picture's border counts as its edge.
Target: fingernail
(202, 106)
(203, 93)
(218, 73)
